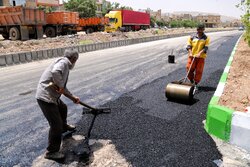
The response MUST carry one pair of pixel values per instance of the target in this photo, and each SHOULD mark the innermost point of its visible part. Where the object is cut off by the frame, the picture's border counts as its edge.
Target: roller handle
(189, 69)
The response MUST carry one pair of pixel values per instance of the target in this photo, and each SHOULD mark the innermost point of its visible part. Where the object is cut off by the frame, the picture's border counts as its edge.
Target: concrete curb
(224, 122)
(25, 57)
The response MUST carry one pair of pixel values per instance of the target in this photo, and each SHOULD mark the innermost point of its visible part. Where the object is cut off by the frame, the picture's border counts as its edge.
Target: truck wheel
(74, 32)
(50, 32)
(128, 28)
(89, 30)
(14, 34)
(102, 28)
(64, 33)
(6, 36)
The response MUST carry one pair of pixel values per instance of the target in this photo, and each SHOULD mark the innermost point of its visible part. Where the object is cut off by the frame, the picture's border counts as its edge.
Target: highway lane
(102, 77)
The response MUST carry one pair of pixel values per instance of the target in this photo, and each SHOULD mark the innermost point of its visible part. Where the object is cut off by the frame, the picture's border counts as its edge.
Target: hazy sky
(223, 7)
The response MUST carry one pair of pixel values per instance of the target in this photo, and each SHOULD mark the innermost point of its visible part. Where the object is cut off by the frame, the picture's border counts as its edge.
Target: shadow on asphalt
(207, 88)
(76, 151)
(189, 103)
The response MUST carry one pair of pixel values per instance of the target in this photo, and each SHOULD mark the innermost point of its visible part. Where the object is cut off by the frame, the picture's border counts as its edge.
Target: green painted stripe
(229, 63)
(218, 121)
(233, 52)
(223, 77)
(214, 100)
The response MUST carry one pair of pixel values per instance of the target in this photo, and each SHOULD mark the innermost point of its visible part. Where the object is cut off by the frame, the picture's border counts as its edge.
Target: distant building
(233, 23)
(100, 4)
(176, 17)
(209, 20)
(181, 17)
(156, 14)
(29, 3)
(187, 17)
(4, 3)
(166, 17)
(236, 23)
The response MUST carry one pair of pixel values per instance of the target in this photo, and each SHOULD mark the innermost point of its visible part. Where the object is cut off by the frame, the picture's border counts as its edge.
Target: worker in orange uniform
(197, 48)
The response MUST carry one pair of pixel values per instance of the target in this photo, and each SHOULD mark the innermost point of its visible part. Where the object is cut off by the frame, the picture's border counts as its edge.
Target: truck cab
(115, 21)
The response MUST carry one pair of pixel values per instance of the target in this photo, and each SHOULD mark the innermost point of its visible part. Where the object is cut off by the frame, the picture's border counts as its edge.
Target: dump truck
(21, 23)
(93, 24)
(61, 23)
(127, 20)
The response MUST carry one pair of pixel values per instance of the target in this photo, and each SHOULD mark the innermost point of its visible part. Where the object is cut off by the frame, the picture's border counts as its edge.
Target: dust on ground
(233, 156)
(104, 154)
(8, 46)
(236, 94)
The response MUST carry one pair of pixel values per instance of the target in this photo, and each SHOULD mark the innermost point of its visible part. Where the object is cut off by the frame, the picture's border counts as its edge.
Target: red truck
(127, 20)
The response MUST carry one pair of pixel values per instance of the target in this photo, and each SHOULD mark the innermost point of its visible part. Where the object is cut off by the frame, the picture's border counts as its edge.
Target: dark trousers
(56, 116)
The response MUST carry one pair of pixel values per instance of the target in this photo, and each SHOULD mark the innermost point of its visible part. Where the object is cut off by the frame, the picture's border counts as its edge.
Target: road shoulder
(230, 129)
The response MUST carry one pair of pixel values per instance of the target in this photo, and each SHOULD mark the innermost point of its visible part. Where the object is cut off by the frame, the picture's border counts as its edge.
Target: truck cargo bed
(130, 17)
(93, 21)
(71, 18)
(21, 16)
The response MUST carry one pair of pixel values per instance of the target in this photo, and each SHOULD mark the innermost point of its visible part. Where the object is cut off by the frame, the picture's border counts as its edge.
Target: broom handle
(189, 70)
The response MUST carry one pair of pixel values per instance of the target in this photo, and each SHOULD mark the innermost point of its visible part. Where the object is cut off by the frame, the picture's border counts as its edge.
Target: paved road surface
(146, 129)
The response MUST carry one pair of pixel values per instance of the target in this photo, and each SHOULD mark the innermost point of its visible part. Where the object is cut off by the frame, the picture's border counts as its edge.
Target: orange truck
(93, 24)
(61, 23)
(21, 23)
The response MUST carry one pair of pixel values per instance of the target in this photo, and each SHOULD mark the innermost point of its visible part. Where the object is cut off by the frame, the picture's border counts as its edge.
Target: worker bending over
(53, 108)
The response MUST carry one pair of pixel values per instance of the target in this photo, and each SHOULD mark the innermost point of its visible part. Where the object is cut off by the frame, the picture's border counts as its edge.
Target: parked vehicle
(127, 20)
(61, 23)
(21, 23)
(241, 28)
(93, 24)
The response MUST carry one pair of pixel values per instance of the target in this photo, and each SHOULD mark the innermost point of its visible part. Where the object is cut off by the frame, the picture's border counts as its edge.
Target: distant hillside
(223, 18)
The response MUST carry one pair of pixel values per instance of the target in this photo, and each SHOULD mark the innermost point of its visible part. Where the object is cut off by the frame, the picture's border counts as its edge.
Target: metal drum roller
(177, 91)
(180, 90)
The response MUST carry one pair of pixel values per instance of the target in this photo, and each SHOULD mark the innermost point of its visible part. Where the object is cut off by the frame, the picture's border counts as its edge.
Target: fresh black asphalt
(150, 131)
(146, 129)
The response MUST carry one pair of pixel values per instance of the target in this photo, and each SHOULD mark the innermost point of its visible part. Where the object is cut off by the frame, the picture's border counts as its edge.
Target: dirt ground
(236, 94)
(8, 46)
(104, 154)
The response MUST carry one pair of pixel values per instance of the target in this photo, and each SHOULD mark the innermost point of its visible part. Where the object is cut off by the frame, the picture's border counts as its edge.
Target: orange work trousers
(196, 71)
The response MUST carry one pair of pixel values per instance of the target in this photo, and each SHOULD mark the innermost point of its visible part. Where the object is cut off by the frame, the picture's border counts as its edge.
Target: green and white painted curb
(224, 122)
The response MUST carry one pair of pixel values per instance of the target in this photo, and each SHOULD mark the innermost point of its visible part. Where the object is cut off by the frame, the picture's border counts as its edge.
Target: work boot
(69, 128)
(192, 81)
(54, 155)
(195, 86)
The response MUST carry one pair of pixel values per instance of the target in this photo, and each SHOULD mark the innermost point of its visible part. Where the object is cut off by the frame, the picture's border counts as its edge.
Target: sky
(222, 7)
